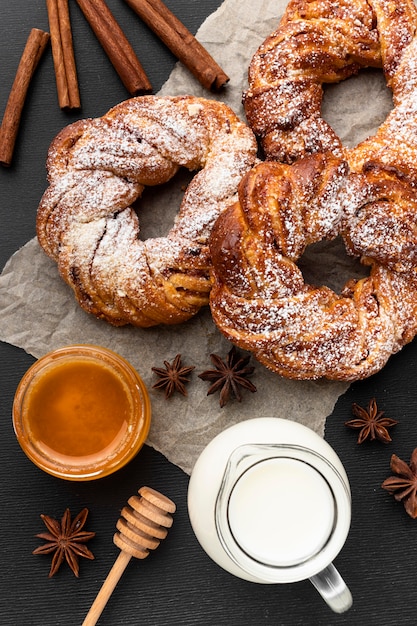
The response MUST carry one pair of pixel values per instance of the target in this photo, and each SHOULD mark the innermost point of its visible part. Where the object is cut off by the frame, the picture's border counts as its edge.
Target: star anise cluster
(229, 376)
(66, 539)
(403, 486)
(371, 422)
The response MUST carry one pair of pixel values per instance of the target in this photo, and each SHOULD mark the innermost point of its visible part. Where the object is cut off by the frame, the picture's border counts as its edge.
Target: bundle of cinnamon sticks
(120, 52)
(63, 54)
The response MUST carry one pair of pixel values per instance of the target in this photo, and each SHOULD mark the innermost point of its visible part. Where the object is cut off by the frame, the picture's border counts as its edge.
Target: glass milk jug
(269, 501)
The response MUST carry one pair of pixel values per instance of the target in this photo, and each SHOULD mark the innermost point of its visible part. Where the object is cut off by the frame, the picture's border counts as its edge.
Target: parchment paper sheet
(38, 312)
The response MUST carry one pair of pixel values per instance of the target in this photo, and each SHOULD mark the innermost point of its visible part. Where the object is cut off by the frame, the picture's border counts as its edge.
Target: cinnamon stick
(34, 48)
(181, 42)
(116, 46)
(63, 54)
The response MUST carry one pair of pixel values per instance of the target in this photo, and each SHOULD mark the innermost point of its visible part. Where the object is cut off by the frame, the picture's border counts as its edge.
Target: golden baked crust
(367, 195)
(319, 42)
(260, 300)
(98, 167)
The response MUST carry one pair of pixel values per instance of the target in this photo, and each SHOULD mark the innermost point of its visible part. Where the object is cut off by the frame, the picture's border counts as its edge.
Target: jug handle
(333, 589)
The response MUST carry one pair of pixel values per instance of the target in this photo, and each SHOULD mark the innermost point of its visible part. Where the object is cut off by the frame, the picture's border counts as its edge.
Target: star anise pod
(173, 377)
(230, 374)
(65, 539)
(371, 423)
(403, 486)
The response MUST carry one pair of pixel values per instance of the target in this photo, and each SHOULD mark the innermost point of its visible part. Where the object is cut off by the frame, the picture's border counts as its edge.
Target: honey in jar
(81, 412)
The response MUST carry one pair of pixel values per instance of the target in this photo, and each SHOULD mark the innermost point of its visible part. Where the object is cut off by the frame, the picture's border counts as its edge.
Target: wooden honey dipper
(140, 529)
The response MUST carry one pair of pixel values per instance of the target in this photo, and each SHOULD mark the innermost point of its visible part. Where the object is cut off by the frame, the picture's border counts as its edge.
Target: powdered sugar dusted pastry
(319, 42)
(368, 195)
(260, 300)
(98, 167)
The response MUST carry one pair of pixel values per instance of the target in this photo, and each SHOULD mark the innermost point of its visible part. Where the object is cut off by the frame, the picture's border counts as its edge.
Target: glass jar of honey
(81, 412)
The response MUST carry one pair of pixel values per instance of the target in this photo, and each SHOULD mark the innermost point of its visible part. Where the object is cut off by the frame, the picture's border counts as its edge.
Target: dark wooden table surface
(179, 584)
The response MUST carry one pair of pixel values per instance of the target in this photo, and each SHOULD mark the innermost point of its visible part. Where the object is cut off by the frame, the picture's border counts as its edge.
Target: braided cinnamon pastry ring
(260, 300)
(98, 167)
(319, 42)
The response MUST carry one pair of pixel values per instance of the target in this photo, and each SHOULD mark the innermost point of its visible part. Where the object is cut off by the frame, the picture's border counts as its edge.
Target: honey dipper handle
(107, 589)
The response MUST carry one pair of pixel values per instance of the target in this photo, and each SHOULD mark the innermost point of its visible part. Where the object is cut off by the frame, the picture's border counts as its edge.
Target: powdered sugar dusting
(260, 299)
(315, 43)
(98, 168)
